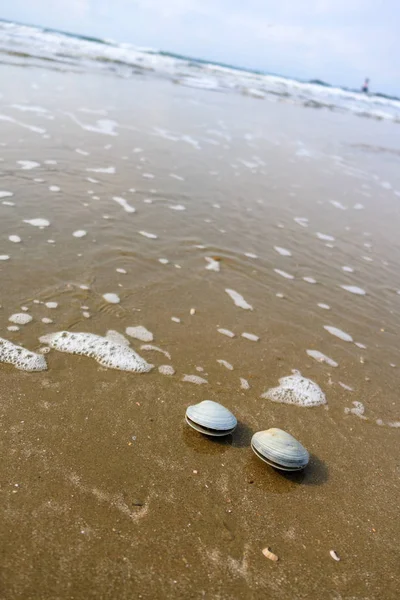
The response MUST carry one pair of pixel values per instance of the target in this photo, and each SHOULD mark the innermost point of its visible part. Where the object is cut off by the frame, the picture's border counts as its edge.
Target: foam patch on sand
(342, 335)
(244, 384)
(27, 165)
(106, 352)
(282, 251)
(322, 358)
(140, 333)
(250, 255)
(51, 304)
(20, 318)
(325, 237)
(238, 299)
(250, 336)
(150, 236)
(324, 306)
(226, 332)
(166, 370)
(4, 257)
(79, 233)
(177, 207)
(111, 298)
(122, 202)
(225, 364)
(4, 194)
(14, 238)
(309, 280)
(298, 390)
(196, 379)
(213, 265)
(37, 222)
(156, 349)
(117, 337)
(284, 274)
(20, 357)
(108, 170)
(353, 289)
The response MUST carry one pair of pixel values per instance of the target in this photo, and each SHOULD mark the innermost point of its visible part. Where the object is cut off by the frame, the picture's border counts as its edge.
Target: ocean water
(23, 44)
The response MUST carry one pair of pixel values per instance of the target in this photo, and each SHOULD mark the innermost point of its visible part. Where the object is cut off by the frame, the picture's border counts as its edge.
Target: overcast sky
(339, 41)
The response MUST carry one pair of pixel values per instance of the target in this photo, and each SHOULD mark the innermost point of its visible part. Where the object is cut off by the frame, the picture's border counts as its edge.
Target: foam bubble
(37, 222)
(47, 321)
(14, 238)
(348, 269)
(353, 289)
(20, 318)
(54, 188)
(4, 257)
(303, 221)
(108, 170)
(282, 251)
(226, 332)
(26, 165)
(20, 357)
(151, 236)
(177, 207)
(163, 261)
(322, 358)
(250, 336)
(324, 306)
(337, 204)
(82, 152)
(238, 299)
(51, 304)
(104, 351)
(140, 333)
(298, 390)
(156, 349)
(284, 274)
(7, 203)
(125, 205)
(4, 194)
(244, 384)
(115, 336)
(345, 386)
(342, 335)
(358, 409)
(175, 319)
(250, 255)
(148, 175)
(13, 328)
(309, 280)
(225, 363)
(111, 298)
(166, 370)
(325, 237)
(194, 379)
(213, 265)
(79, 233)
(119, 270)
(358, 206)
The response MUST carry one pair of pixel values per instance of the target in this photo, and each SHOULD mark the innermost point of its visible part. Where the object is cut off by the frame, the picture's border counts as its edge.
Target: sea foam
(20, 357)
(106, 352)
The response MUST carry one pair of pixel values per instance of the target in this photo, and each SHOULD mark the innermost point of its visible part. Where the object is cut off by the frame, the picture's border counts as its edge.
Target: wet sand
(106, 492)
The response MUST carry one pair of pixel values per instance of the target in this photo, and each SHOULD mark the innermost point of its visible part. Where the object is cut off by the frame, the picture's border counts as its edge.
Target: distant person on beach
(365, 87)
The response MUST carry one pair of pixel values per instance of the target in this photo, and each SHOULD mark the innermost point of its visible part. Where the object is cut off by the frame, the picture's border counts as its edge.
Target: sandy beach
(127, 202)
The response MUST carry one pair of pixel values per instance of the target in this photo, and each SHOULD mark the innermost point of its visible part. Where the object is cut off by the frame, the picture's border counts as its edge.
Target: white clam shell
(279, 449)
(210, 418)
